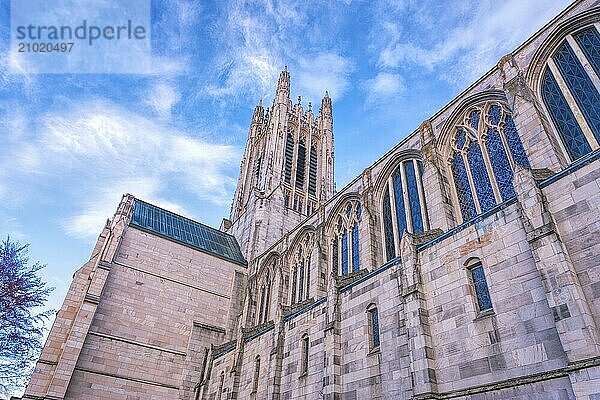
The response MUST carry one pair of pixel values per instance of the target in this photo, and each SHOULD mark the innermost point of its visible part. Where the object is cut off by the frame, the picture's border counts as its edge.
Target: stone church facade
(463, 264)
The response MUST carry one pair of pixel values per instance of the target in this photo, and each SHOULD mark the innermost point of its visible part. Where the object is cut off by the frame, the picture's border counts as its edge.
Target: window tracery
(570, 91)
(345, 245)
(300, 268)
(485, 149)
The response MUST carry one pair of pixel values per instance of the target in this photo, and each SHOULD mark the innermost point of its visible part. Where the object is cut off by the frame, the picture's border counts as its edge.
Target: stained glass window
(355, 257)
(294, 283)
(289, 157)
(346, 229)
(262, 305)
(300, 165)
(580, 85)
(301, 282)
(568, 129)
(308, 277)
(514, 143)
(496, 134)
(500, 164)
(484, 302)
(312, 174)
(335, 267)
(483, 187)
(463, 189)
(388, 230)
(345, 253)
(413, 197)
(374, 321)
(399, 202)
(401, 186)
(589, 41)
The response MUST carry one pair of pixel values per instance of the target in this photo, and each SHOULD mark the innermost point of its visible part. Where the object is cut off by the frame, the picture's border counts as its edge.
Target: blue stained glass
(413, 197)
(495, 114)
(461, 138)
(581, 86)
(463, 190)
(399, 197)
(589, 41)
(358, 211)
(308, 278)
(355, 257)
(569, 130)
(375, 327)
(500, 164)
(335, 245)
(481, 288)
(483, 187)
(390, 250)
(474, 119)
(301, 282)
(345, 253)
(294, 283)
(262, 305)
(514, 143)
(348, 210)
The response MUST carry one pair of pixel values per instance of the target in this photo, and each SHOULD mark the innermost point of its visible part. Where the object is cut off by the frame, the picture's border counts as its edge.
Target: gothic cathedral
(462, 264)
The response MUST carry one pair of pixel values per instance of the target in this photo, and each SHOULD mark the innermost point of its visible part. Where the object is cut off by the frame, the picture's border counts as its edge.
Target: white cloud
(383, 87)
(94, 151)
(162, 97)
(324, 71)
(461, 42)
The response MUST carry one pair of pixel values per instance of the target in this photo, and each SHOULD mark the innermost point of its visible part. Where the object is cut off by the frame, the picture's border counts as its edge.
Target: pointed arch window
(485, 149)
(403, 205)
(570, 91)
(345, 243)
(300, 268)
(256, 375)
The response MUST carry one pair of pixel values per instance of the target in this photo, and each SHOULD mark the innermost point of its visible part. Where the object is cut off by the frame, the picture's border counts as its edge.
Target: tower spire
(283, 87)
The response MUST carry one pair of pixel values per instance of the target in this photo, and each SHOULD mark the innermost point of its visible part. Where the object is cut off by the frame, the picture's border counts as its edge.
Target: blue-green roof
(186, 231)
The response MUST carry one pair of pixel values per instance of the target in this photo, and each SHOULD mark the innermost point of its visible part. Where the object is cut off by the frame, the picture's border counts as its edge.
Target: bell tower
(286, 171)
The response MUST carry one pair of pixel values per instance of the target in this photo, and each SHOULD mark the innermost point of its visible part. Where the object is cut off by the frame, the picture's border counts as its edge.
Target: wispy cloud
(383, 87)
(99, 150)
(459, 42)
(162, 97)
(257, 39)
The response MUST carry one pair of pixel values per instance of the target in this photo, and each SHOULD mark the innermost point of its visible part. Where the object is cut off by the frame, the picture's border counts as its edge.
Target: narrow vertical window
(481, 179)
(355, 257)
(345, 253)
(300, 165)
(267, 301)
(304, 357)
(484, 301)
(294, 282)
(256, 375)
(221, 386)
(334, 254)
(301, 282)
(373, 319)
(312, 174)
(413, 197)
(399, 203)
(289, 157)
(388, 229)
(308, 277)
(262, 305)
(589, 41)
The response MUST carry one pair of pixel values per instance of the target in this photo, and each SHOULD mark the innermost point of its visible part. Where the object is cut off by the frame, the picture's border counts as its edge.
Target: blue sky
(71, 144)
